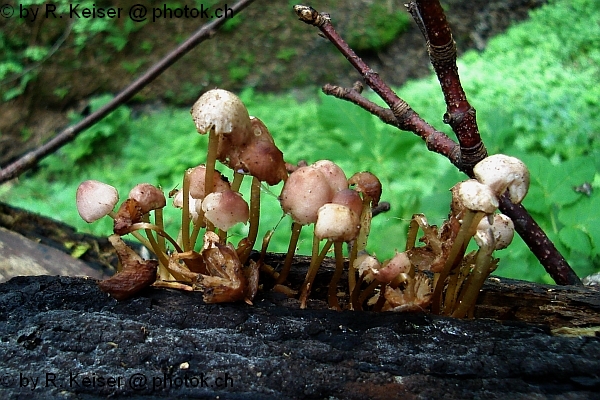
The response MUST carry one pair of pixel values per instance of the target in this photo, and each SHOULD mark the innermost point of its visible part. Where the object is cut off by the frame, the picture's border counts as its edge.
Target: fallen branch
(30, 159)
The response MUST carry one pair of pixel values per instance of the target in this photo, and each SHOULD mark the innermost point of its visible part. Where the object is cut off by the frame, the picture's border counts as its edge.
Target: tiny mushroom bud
(225, 209)
(95, 200)
(501, 173)
(194, 205)
(148, 197)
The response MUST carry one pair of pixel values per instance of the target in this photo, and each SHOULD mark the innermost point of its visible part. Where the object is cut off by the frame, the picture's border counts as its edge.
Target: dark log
(65, 336)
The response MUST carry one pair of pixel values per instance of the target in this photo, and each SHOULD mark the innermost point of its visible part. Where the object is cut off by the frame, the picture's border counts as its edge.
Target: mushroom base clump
(436, 276)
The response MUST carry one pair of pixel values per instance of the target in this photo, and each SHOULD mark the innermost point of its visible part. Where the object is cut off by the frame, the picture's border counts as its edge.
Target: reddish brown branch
(30, 159)
(539, 244)
(460, 115)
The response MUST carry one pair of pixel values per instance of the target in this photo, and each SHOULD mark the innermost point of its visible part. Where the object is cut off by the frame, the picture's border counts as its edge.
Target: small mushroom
(338, 222)
(225, 209)
(148, 197)
(501, 172)
(369, 186)
(95, 200)
(303, 193)
(224, 117)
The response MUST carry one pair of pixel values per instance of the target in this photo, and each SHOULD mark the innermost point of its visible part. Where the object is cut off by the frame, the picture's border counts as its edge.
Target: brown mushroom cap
(260, 157)
(368, 184)
(148, 197)
(95, 200)
(399, 264)
(304, 192)
(349, 198)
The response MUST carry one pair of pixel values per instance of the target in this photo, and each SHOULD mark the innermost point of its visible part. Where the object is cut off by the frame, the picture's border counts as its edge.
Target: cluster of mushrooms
(437, 275)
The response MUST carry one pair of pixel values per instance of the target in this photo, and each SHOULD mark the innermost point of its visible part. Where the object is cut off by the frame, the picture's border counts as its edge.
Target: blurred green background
(537, 95)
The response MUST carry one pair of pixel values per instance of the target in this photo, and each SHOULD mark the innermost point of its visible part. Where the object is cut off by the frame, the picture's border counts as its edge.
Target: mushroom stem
(289, 257)
(211, 158)
(185, 211)
(368, 291)
(162, 257)
(467, 299)
(254, 218)
(315, 262)
(146, 225)
(237, 181)
(159, 221)
(339, 269)
(360, 243)
(352, 268)
(467, 229)
(136, 234)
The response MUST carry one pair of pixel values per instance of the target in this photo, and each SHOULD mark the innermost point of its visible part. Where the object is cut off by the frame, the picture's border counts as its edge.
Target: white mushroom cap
(475, 196)
(502, 228)
(95, 200)
(148, 197)
(337, 223)
(502, 172)
(304, 192)
(222, 111)
(225, 209)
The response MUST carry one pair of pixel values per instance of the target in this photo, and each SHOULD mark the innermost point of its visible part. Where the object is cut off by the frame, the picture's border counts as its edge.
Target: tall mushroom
(224, 117)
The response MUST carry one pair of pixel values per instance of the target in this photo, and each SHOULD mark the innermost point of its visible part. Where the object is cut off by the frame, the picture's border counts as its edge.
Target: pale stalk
(289, 257)
(339, 269)
(211, 159)
(315, 262)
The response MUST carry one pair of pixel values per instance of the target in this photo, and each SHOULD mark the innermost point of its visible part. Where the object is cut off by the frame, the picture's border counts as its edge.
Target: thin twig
(30, 159)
